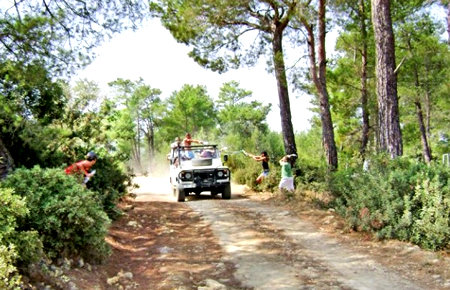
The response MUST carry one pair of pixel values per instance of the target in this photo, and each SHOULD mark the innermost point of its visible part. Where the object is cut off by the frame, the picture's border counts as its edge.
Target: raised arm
(190, 140)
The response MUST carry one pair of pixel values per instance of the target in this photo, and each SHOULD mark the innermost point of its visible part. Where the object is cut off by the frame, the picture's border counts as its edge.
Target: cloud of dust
(152, 178)
(158, 166)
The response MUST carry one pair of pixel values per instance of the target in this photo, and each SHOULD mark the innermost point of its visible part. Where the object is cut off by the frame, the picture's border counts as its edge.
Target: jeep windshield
(196, 155)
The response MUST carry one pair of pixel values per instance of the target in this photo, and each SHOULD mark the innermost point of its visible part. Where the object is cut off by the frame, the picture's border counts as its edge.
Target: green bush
(240, 167)
(110, 183)
(13, 207)
(68, 217)
(13, 240)
(429, 208)
(9, 278)
(402, 199)
(310, 177)
(26, 241)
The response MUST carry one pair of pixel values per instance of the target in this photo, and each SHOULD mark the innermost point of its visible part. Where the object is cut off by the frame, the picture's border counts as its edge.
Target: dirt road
(250, 242)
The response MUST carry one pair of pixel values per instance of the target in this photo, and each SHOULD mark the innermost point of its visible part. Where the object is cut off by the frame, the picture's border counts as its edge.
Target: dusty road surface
(249, 242)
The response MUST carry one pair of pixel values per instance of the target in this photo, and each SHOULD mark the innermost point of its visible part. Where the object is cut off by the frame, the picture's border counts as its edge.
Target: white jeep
(198, 168)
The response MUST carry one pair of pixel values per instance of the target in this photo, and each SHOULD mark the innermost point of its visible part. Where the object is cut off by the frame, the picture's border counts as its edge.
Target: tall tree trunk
(376, 130)
(390, 137)
(364, 92)
(283, 93)
(150, 136)
(152, 139)
(6, 161)
(138, 136)
(427, 113)
(318, 76)
(327, 122)
(426, 151)
(136, 154)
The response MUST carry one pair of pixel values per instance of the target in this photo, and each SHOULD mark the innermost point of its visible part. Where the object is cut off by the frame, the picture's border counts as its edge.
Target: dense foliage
(60, 35)
(17, 246)
(405, 200)
(68, 218)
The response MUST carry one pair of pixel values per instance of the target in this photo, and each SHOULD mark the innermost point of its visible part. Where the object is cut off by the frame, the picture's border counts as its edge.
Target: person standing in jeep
(187, 141)
(176, 143)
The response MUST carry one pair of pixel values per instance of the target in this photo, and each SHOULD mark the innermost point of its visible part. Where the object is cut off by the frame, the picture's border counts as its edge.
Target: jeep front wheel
(226, 192)
(179, 194)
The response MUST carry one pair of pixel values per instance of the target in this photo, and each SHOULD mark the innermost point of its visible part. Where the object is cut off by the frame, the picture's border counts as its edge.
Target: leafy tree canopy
(224, 34)
(61, 34)
(190, 110)
(237, 117)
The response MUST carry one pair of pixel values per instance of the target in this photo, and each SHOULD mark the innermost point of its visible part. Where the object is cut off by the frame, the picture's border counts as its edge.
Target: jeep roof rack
(197, 146)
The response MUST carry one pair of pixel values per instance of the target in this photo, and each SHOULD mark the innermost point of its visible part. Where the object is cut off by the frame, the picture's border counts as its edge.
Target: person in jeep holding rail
(187, 141)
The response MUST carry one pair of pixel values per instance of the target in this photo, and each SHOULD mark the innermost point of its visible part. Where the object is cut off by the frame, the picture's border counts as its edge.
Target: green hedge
(14, 241)
(402, 199)
(68, 218)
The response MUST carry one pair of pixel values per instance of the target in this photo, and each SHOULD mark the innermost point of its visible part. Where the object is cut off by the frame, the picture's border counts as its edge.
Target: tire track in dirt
(273, 250)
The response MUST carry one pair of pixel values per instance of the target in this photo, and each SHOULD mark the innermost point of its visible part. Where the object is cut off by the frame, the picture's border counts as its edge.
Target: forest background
(381, 100)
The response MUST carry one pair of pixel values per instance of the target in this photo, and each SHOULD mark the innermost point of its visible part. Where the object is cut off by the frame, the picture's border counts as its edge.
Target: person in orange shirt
(83, 167)
(187, 141)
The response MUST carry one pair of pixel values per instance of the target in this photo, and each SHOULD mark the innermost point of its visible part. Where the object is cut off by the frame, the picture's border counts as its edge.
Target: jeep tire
(226, 192)
(179, 194)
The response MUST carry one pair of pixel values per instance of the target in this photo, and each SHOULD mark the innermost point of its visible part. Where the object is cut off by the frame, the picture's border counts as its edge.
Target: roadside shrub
(68, 217)
(242, 171)
(309, 177)
(402, 199)
(112, 177)
(13, 240)
(270, 183)
(359, 197)
(12, 208)
(428, 212)
(110, 184)
(243, 176)
(9, 278)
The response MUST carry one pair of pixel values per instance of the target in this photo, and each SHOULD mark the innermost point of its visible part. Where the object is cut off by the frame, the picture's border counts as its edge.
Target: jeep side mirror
(225, 158)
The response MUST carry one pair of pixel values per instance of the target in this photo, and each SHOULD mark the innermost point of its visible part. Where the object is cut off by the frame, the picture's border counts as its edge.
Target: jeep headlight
(186, 176)
(222, 174)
